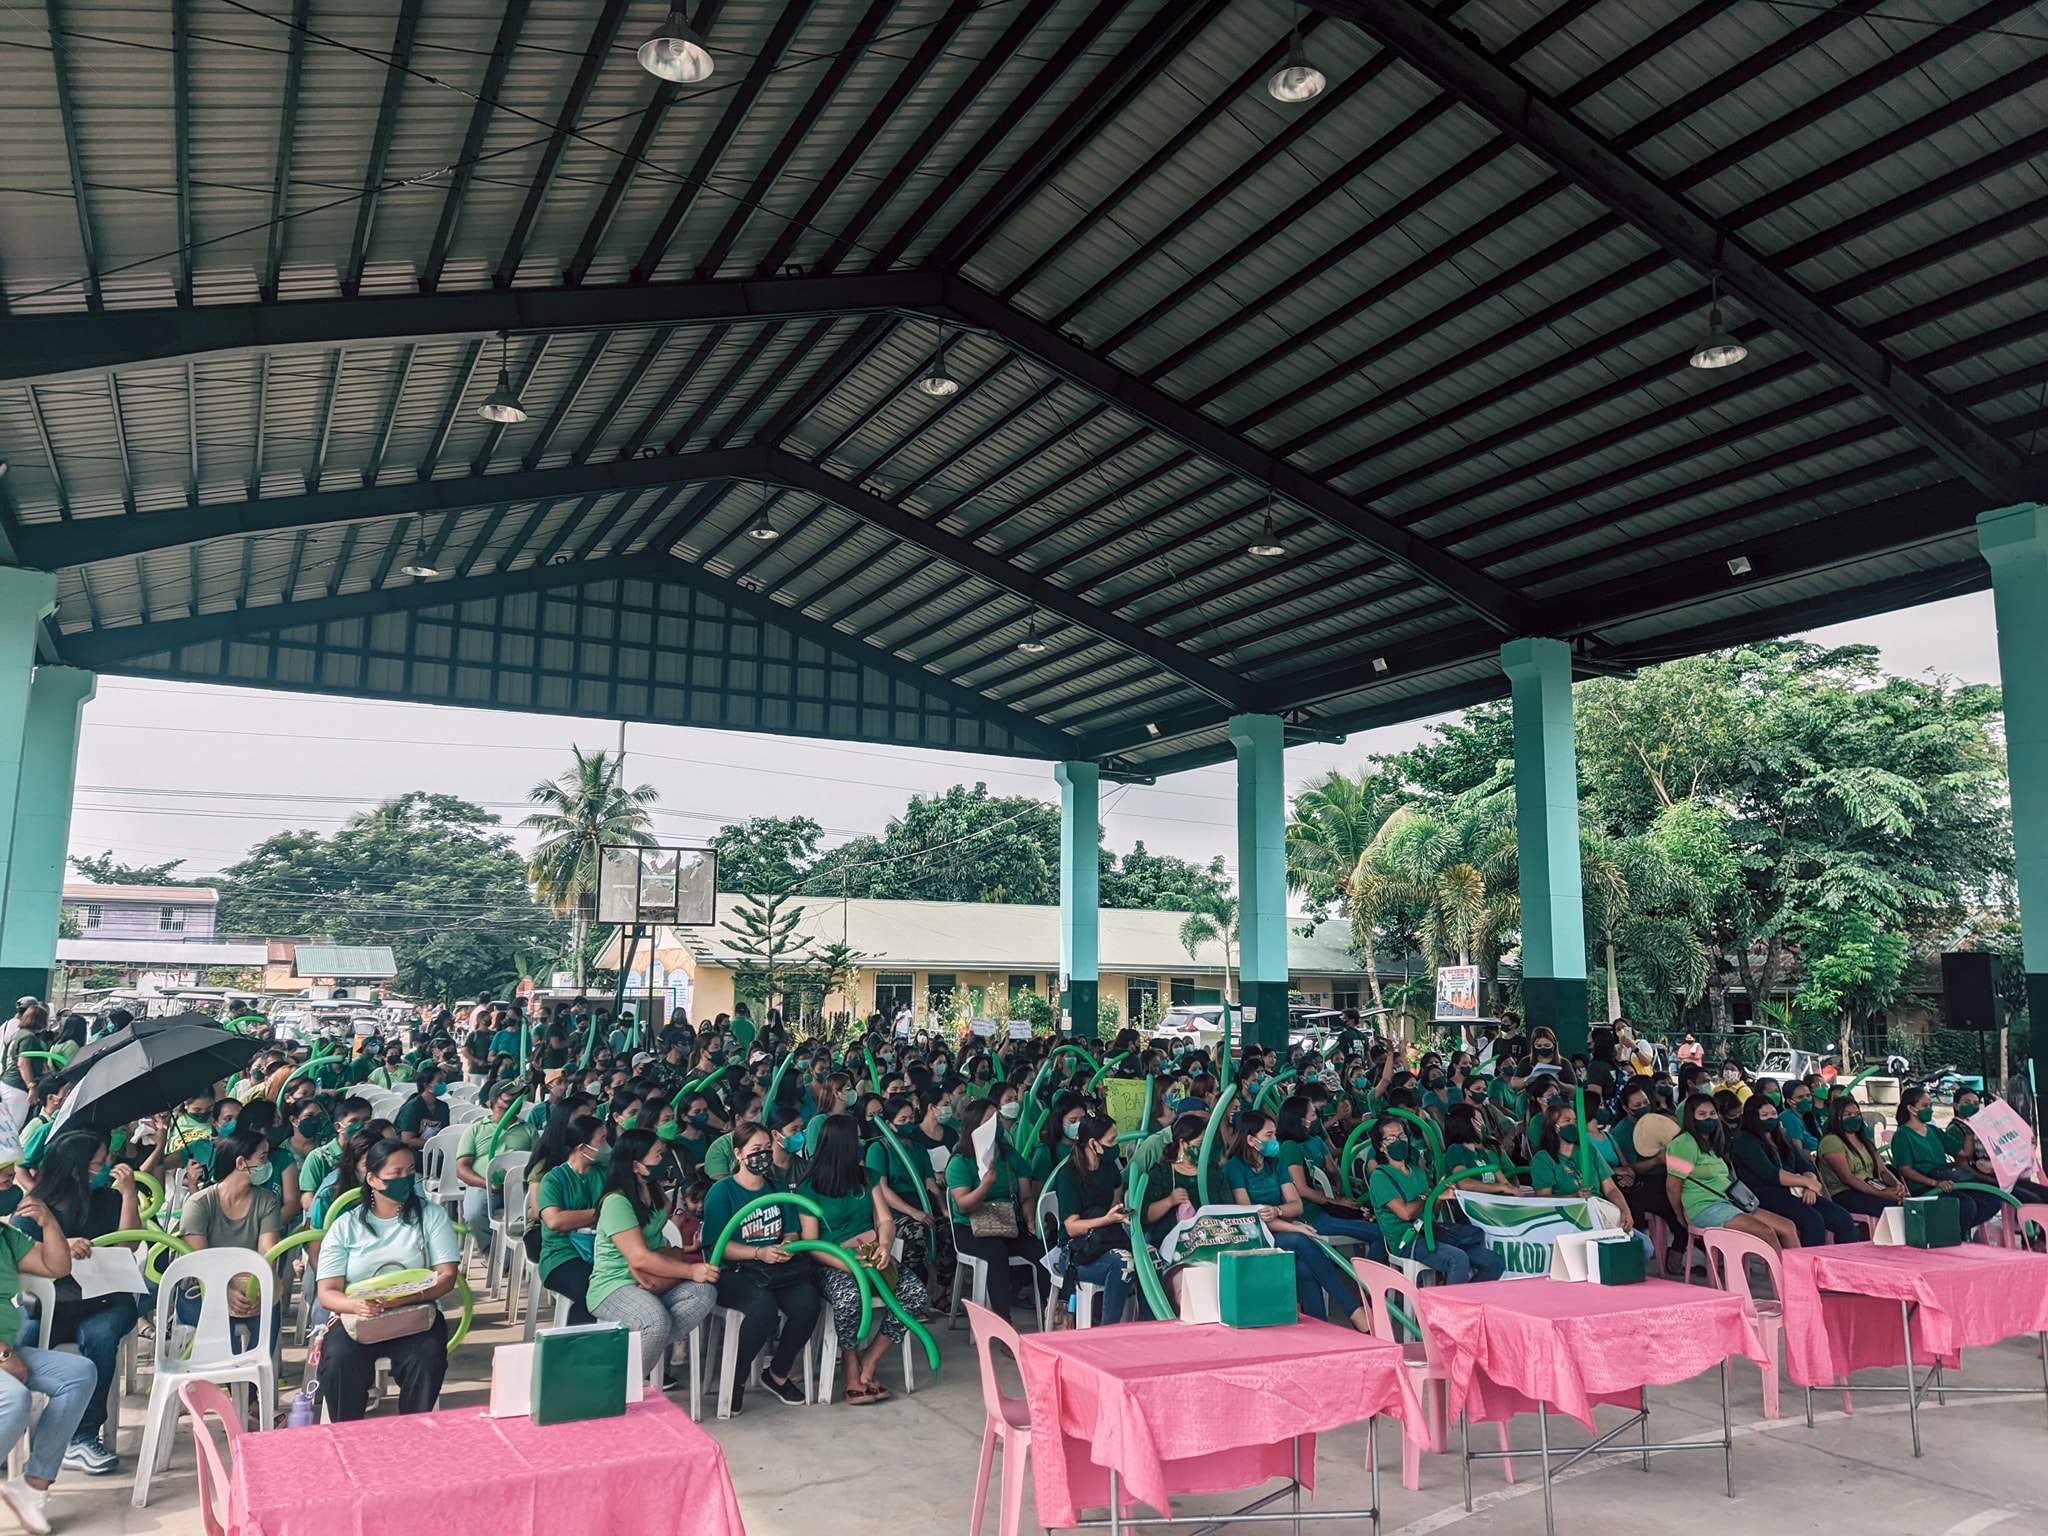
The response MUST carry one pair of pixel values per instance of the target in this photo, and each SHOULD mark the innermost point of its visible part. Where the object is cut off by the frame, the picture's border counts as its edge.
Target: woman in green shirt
(1700, 1182)
(637, 1279)
(969, 1190)
(859, 1220)
(567, 1202)
(1854, 1176)
(1921, 1159)
(1560, 1166)
(1398, 1190)
(1257, 1177)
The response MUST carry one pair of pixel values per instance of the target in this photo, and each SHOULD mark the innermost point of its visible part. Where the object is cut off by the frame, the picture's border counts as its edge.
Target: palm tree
(1213, 920)
(1334, 826)
(586, 810)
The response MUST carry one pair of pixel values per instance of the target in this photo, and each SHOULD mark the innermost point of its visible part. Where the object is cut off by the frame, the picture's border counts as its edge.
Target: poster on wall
(1457, 992)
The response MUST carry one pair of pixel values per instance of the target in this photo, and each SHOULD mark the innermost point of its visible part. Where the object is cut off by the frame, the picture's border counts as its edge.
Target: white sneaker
(27, 1504)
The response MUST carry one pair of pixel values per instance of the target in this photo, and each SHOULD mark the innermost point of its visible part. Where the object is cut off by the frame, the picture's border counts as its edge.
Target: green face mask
(1852, 1122)
(668, 1132)
(398, 1189)
(1924, 1114)
(1966, 1111)
(1397, 1149)
(1775, 1098)
(1011, 1110)
(1568, 1135)
(627, 1122)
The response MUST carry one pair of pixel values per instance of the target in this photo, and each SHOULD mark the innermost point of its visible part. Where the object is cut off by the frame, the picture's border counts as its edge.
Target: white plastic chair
(466, 1114)
(459, 1093)
(508, 1227)
(1053, 1234)
(41, 1294)
(212, 1355)
(438, 1183)
(731, 1320)
(1321, 1180)
(1006, 1422)
(970, 1283)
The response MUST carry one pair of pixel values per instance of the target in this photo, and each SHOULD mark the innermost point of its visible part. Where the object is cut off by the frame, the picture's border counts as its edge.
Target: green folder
(579, 1373)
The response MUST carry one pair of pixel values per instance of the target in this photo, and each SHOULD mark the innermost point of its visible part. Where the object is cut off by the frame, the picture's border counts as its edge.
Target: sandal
(861, 1393)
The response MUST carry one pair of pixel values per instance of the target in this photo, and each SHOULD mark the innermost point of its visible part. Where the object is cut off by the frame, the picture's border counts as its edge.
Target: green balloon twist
(1103, 1071)
(809, 1245)
(1149, 1282)
(1216, 1118)
(1270, 1087)
(1348, 1157)
(909, 1167)
(698, 1086)
(931, 1346)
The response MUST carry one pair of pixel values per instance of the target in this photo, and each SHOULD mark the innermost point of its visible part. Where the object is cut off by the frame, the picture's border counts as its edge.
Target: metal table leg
(1543, 1429)
(1465, 1442)
(1372, 1457)
(1912, 1381)
(1116, 1504)
(1643, 1402)
(1727, 1432)
(1295, 1491)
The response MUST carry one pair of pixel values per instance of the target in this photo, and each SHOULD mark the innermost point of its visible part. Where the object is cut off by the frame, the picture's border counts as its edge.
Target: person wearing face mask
(969, 1190)
(1734, 1080)
(900, 1187)
(1257, 1176)
(484, 1199)
(1774, 1167)
(567, 1203)
(1698, 1179)
(758, 1277)
(394, 1072)
(1559, 1167)
(1800, 1118)
(1398, 1190)
(308, 1128)
(1300, 1150)
(637, 1279)
(240, 1209)
(88, 1197)
(1056, 1140)
(389, 1230)
(350, 1116)
(1094, 1222)
(857, 1218)
(1921, 1160)
(1966, 1151)
(425, 1113)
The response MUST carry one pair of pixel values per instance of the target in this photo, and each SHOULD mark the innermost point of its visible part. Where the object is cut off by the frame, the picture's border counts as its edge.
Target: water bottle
(305, 1408)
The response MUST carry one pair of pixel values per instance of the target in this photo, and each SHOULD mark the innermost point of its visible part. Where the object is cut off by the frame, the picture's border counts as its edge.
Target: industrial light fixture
(1297, 79)
(763, 530)
(677, 52)
(1265, 546)
(503, 405)
(1717, 349)
(1151, 729)
(1379, 663)
(419, 566)
(1031, 645)
(1738, 565)
(938, 380)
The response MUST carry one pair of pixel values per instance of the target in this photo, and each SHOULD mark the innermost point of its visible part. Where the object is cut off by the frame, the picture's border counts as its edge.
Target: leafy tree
(763, 934)
(586, 810)
(427, 874)
(1462, 755)
(768, 853)
(105, 869)
(1333, 829)
(1854, 965)
(1159, 881)
(963, 845)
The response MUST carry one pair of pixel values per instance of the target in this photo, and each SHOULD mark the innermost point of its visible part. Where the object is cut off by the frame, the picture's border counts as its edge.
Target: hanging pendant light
(1031, 645)
(1717, 349)
(1296, 80)
(1266, 546)
(763, 530)
(938, 380)
(419, 567)
(677, 52)
(503, 405)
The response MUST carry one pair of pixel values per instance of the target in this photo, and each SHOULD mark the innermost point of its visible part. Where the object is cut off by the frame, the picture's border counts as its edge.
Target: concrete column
(26, 599)
(1080, 892)
(1262, 875)
(1547, 837)
(34, 893)
(2014, 542)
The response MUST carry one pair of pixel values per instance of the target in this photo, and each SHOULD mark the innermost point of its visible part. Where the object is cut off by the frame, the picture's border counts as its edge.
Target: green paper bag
(1255, 1287)
(1619, 1262)
(579, 1373)
(1932, 1222)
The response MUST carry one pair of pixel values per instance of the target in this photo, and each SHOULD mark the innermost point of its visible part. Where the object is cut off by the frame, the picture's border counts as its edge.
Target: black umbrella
(83, 1058)
(163, 1063)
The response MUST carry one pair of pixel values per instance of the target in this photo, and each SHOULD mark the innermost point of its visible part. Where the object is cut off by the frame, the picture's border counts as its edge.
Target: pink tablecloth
(1968, 1296)
(1508, 1344)
(1176, 1408)
(455, 1473)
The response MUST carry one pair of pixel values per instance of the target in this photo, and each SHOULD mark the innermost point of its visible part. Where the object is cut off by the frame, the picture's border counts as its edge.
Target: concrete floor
(907, 1466)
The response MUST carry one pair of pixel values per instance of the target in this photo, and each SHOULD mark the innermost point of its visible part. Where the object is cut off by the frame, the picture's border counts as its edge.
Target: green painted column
(1080, 893)
(26, 599)
(1262, 875)
(1547, 838)
(34, 892)
(2014, 543)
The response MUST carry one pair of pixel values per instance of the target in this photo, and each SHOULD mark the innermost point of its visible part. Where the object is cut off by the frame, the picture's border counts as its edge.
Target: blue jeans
(1113, 1272)
(98, 1335)
(68, 1382)
(1319, 1281)
(1460, 1254)
(1367, 1232)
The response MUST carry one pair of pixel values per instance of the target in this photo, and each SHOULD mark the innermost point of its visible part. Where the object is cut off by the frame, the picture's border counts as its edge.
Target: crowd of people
(643, 1148)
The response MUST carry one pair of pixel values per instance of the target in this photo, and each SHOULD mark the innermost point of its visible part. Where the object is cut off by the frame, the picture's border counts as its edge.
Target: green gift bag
(1255, 1287)
(1619, 1262)
(1933, 1222)
(579, 1373)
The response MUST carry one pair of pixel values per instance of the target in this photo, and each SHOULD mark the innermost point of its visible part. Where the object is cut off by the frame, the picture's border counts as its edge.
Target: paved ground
(907, 1466)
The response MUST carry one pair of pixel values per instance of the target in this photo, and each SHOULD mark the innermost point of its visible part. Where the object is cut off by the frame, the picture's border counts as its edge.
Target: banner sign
(2006, 1139)
(1457, 992)
(1522, 1229)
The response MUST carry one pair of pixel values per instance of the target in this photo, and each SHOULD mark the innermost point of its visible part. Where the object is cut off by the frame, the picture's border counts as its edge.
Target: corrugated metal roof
(1173, 304)
(360, 962)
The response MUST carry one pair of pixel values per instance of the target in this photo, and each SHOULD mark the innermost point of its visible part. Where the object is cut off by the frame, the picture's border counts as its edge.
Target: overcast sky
(183, 771)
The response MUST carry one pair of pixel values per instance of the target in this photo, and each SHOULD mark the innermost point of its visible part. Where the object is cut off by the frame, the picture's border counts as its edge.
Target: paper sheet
(985, 1142)
(108, 1272)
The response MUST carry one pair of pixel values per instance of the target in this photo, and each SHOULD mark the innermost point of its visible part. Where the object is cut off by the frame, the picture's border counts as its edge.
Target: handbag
(993, 1218)
(398, 1323)
(1742, 1197)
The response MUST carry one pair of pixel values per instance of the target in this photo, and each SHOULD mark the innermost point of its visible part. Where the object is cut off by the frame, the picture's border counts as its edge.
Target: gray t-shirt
(204, 1218)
